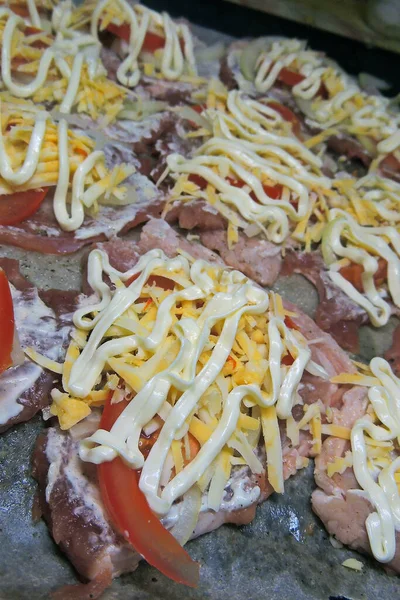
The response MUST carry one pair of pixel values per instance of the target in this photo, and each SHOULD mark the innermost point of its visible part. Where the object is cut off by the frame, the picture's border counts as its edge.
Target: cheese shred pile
(63, 71)
(264, 180)
(328, 97)
(375, 455)
(37, 153)
(205, 359)
(152, 42)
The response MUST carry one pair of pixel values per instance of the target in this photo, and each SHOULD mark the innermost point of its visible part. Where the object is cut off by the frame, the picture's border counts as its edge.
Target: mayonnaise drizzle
(278, 147)
(141, 20)
(382, 194)
(227, 296)
(363, 246)
(84, 49)
(255, 122)
(383, 492)
(33, 13)
(80, 197)
(29, 166)
(282, 54)
(365, 114)
(219, 158)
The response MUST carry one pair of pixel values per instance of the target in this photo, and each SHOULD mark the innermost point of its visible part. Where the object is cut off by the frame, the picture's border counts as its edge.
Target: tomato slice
(287, 360)
(7, 323)
(194, 447)
(198, 180)
(17, 61)
(17, 207)
(198, 107)
(273, 191)
(131, 515)
(23, 11)
(122, 31)
(40, 44)
(29, 30)
(151, 43)
(288, 115)
(20, 10)
(291, 78)
(33, 31)
(353, 274)
(158, 280)
(290, 323)
(389, 165)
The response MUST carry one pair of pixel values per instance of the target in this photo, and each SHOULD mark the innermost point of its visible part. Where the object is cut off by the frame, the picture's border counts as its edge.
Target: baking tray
(285, 554)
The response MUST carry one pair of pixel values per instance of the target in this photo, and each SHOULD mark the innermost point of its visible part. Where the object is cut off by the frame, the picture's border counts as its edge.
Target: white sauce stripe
(193, 360)
(69, 71)
(382, 490)
(90, 181)
(177, 53)
(347, 104)
(345, 238)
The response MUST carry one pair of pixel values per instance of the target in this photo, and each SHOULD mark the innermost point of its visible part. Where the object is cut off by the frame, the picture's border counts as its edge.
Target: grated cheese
(240, 386)
(354, 564)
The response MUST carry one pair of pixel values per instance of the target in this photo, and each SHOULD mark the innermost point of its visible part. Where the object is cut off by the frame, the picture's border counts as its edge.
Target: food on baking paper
(253, 177)
(62, 71)
(330, 101)
(186, 388)
(32, 319)
(196, 393)
(58, 192)
(152, 41)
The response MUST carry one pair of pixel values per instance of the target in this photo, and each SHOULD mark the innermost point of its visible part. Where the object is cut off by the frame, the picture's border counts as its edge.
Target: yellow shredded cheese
(273, 447)
(354, 564)
(43, 361)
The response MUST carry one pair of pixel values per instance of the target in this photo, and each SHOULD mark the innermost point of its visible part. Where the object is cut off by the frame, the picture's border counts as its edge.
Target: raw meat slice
(41, 232)
(43, 321)
(336, 312)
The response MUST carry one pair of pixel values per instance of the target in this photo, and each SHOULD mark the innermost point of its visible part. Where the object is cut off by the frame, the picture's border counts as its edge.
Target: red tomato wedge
(198, 180)
(287, 360)
(288, 115)
(194, 447)
(17, 207)
(122, 31)
(390, 164)
(29, 30)
(291, 78)
(198, 107)
(158, 280)
(20, 10)
(6, 323)
(23, 11)
(290, 323)
(33, 31)
(353, 274)
(273, 191)
(131, 515)
(152, 41)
